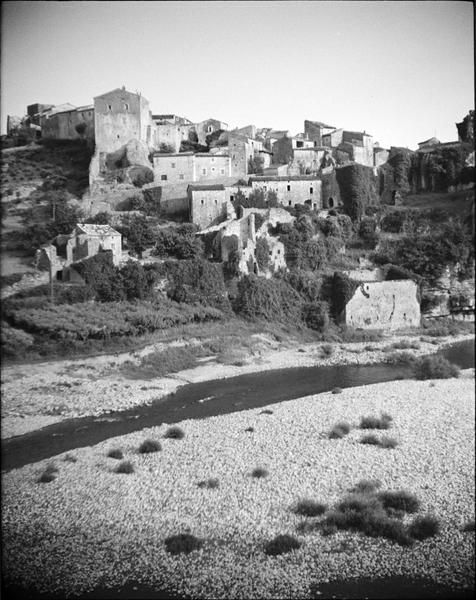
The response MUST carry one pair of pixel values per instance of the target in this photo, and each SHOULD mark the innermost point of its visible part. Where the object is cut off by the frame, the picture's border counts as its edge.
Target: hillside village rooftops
(96, 230)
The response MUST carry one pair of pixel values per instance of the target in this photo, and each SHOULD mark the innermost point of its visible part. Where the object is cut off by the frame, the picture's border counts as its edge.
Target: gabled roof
(116, 91)
(96, 230)
(434, 140)
(87, 107)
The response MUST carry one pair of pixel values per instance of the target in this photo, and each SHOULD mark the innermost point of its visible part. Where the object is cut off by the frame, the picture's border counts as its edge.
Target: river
(205, 399)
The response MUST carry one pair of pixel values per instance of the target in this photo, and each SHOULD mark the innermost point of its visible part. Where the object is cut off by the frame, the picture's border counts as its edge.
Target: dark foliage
(435, 367)
(149, 446)
(259, 472)
(175, 433)
(423, 527)
(178, 242)
(399, 500)
(183, 543)
(125, 467)
(281, 544)
(382, 422)
(310, 508)
(115, 453)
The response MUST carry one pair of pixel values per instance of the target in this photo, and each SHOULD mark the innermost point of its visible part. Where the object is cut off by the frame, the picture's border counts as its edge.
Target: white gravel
(40, 394)
(92, 527)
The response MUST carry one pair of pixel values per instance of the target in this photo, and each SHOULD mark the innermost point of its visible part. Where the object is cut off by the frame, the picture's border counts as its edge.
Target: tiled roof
(200, 187)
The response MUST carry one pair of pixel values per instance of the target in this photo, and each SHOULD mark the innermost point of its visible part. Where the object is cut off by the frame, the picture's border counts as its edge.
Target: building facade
(208, 205)
(306, 189)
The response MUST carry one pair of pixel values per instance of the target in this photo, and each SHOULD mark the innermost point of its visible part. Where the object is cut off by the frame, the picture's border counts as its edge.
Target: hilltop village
(259, 201)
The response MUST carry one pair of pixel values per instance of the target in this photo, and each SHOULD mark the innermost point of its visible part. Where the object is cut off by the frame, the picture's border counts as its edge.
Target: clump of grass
(266, 411)
(400, 357)
(259, 472)
(49, 474)
(281, 544)
(469, 526)
(183, 543)
(337, 390)
(174, 433)
(310, 508)
(149, 446)
(115, 453)
(399, 500)
(388, 443)
(250, 429)
(70, 458)
(327, 350)
(405, 345)
(366, 486)
(423, 527)
(382, 422)
(339, 430)
(125, 467)
(370, 439)
(210, 484)
(435, 367)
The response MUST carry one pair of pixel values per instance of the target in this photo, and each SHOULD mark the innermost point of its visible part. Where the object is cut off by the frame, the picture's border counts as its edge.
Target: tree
(138, 232)
(367, 231)
(81, 128)
(255, 165)
(262, 253)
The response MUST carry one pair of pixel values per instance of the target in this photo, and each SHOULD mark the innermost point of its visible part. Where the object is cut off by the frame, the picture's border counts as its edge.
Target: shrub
(259, 472)
(327, 350)
(424, 526)
(435, 367)
(384, 422)
(310, 508)
(370, 439)
(399, 500)
(270, 299)
(339, 430)
(125, 467)
(405, 345)
(115, 453)
(469, 526)
(316, 315)
(46, 477)
(250, 429)
(183, 543)
(149, 446)
(262, 253)
(337, 390)
(70, 458)
(388, 442)
(366, 486)
(209, 483)
(266, 411)
(400, 357)
(281, 544)
(174, 433)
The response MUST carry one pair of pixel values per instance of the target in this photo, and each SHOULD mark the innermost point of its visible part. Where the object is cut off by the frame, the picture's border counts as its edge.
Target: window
(289, 203)
(222, 171)
(213, 160)
(270, 252)
(265, 188)
(181, 176)
(216, 201)
(210, 129)
(299, 144)
(289, 188)
(126, 106)
(163, 177)
(173, 165)
(202, 201)
(315, 206)
(118, 136)
(311, 190)
(204, 171)
(109, 107)
(279, 251)
(232, 198)
(213, 168)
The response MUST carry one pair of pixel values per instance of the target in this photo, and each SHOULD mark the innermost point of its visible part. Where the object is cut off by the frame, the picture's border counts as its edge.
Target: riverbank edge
(300, 355)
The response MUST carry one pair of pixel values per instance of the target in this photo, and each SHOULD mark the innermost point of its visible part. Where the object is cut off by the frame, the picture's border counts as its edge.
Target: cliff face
(449, 296)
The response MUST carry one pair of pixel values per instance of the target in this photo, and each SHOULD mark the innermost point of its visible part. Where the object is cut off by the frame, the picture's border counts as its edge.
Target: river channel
(206, 399)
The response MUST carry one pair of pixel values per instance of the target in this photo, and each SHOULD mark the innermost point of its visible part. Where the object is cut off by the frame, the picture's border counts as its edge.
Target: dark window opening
(299, 144)
(311, 190)
(163, 177)
(289, 203)
(289, 188)
(331, 202)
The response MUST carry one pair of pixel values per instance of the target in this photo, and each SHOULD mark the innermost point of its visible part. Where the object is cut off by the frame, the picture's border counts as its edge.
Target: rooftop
(97, 230)
(323, 125)
(200, 187)
(284, 178)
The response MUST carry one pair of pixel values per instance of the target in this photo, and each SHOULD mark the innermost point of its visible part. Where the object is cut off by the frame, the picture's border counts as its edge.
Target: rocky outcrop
(449, 297)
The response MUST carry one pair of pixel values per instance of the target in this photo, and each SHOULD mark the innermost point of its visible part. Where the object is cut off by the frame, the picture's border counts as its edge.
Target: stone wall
(384, 305)
(211, 166)
(170, 169)
(283, 151)
(62, 126)
(292, 191)
(208, 207)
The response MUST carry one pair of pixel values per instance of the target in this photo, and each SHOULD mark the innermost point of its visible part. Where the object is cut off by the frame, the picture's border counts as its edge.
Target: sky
(401, 71)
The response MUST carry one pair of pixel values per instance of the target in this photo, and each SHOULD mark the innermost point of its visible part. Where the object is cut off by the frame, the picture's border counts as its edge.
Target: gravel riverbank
(91, 527)
(40, 394)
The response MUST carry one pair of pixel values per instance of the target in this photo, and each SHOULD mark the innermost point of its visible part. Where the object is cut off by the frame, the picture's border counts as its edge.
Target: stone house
(204, 128)
(171, 130)
(121, 116)
(291, 190)
(240, 235)
(62, 125)
(314, 130)
(386, 305)
(283, 148)
(87, 240)
(208, 205)
(272, 136)
(187, 167)
(428, 143)
(241, 149)
(358, 146)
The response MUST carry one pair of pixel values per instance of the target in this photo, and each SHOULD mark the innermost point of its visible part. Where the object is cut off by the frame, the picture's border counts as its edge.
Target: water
(209, 398)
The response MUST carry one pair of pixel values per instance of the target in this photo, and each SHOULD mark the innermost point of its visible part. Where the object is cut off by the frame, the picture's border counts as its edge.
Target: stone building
(386, 305)
(207, 127)
(209, 204)
(171, 130)
(121, 116)
(433, 141)
(301, 189)
(314, 130)
(283, 149)
(241, 149)
(69, 124)
(380, 156)
(272, 136)
(87, 240)
(186, 167)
